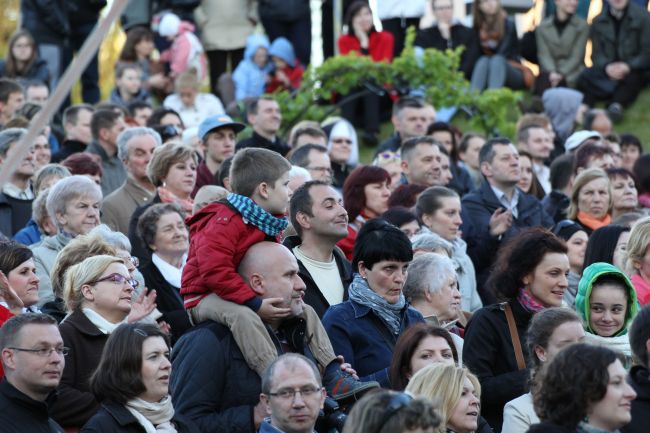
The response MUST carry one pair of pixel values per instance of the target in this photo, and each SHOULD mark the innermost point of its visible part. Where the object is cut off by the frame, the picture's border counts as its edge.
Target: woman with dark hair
(631, 149)
(608, 245)
(365, 196)
(529, 275)
(22, 61)
(420, 345)
(365, 328)
(625, 197)
(642, 173)
(576, 239)
(163, 116)
(405, 195)
(584, 389)
(403, 219)
(443, 133)
(549, 332)
(132, 383)
(528, 181)
(138, 47)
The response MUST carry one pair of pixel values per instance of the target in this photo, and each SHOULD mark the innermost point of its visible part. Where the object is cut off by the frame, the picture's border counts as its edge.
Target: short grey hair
(430, 242)
(299, 171)
(39, 208)
(428, 271)
(129, 133)
(117, 240)
(48, 171)
(8, 137)
(67, 189)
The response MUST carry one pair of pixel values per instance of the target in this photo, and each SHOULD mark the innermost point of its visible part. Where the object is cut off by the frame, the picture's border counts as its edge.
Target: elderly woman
(365, 328)
(163, 230)
(39, 224)
(343, 150)
(73, 204)
(132, 383)
(98, 295)
(591, 200)
(625, 196)
(172, 170)
(439, 209)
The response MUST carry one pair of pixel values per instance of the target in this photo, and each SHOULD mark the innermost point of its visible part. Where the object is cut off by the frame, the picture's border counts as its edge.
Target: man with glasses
(33, 361)
(293, 393)
(313, 158)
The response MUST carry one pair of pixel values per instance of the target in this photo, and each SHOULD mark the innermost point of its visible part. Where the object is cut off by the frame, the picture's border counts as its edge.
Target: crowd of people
(161, 270)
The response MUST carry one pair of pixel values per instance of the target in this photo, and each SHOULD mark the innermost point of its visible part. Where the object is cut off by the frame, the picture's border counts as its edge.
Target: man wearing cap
(218, 136)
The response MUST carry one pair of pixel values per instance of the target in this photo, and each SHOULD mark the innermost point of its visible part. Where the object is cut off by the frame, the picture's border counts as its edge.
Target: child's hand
(268, 311)
(282, 77)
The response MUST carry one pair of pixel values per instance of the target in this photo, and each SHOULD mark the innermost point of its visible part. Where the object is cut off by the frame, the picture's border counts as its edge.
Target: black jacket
(548, 427)
(168, 300)
(212, 385)
(556, 204)
(115, 418)
(639, 378)
(22, 414)
(461, 36)
(38, 71)
(69, 147)
(138, 248)
(393, 144)
(46, 20)
(14, 214)
(257, 140)
(313, 295)
(488, 352)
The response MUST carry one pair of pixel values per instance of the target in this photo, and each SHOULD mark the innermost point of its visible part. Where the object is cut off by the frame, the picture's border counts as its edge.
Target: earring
(164, 184)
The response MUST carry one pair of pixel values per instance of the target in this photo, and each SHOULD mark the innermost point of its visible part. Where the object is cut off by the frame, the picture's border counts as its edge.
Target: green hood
(590, 274)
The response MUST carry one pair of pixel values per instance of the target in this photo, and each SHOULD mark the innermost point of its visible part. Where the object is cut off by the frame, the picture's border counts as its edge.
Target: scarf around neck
(361, 293)
(592, 222)
(584, 427)
(154, 417)
(260, 218)
(102, 324)
(528, 301)
(166, 196)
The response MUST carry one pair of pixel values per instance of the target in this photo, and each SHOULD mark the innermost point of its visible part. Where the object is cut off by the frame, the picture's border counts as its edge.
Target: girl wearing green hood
(607, 303)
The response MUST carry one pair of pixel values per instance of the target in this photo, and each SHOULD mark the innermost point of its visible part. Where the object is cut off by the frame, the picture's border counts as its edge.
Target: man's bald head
(261, 258)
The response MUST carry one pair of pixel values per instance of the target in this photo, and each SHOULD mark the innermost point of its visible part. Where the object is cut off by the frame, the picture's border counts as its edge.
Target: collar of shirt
(13, 191)
(510, 204)
(30, 309)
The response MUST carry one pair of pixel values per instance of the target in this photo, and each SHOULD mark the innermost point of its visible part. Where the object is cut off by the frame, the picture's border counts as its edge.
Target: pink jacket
(186, 52)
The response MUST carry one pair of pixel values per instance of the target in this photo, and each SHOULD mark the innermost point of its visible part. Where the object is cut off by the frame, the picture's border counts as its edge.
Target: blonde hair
(83, 273)
(637, 244)
(187, 80)
(443, 383)
(583, 179)
(164, 157)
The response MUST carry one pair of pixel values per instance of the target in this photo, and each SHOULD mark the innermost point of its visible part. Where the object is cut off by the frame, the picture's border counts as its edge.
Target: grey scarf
(360, 292)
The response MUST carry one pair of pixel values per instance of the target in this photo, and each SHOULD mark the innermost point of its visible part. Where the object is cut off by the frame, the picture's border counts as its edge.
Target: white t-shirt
(326, 276)
(205, 105)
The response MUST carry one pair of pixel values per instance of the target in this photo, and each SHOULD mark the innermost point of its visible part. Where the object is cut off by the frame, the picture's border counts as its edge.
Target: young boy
(221, 233)
(128, 85)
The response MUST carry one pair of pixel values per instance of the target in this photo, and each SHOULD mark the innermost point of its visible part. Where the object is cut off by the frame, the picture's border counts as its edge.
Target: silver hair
(129, 133)
(115, 239)
(39, 208)
(299, 171)
(67, 189)
(47, 171)
(428, 271)
(8, 137)
(430, 242)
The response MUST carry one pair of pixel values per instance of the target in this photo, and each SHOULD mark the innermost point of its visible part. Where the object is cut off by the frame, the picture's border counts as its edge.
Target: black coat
(22, 414)
(168, 300)
(639, 378)
(138, 248)
(46, 20)
(257, 140)
(115, 418)
(488, 352)
(548, 427)
(461, 36)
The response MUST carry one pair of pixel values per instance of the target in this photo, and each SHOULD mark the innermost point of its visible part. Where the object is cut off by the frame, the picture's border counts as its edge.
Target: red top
(380, 46)
(295, 78)
(5, 315)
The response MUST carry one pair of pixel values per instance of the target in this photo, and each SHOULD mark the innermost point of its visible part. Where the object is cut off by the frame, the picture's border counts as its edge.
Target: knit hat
(169, 25)
(567, 228)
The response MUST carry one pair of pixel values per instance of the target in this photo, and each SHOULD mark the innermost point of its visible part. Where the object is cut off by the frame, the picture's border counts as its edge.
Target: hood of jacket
(282, 48)
(253, 42)
(585, 286)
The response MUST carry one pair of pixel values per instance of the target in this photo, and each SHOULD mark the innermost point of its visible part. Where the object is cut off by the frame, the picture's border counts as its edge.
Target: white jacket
(387, 9)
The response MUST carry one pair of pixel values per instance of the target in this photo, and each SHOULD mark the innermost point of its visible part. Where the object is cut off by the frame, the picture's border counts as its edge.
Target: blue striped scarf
(257, 216)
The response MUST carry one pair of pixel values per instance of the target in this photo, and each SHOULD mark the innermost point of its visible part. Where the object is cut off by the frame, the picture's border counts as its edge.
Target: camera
(331, 418)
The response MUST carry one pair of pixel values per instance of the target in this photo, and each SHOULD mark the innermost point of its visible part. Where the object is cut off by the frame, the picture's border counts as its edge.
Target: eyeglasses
(289, 393)
(45, 352)
(134, 260)
(321, 169)
(118, 279)
(396, 403)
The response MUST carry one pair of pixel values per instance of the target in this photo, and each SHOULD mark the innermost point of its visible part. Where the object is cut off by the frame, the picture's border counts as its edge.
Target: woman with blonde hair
(591, 200)
(458, 392)
(638, 259)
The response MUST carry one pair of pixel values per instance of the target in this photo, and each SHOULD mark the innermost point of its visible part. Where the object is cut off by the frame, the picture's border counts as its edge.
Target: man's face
(330, 219)
(282, 281)
(220, 144)
(37, 94)
(295, 413)
(110, 134)
(80, 131)
(42, 151)
(504, 169)
(445, 170)
(319, 166)
(471, 156)
(32, 373)
(141, 149)
(618, 5)
(539, 144)
(412, 122)
(268, 117)
(14, 102)
(423, 166)
(27, 168)
(141, 115)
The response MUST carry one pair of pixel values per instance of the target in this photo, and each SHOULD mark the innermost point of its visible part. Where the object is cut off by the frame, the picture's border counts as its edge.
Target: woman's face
(526, 179)
(577, 245)
(564, 335)
(614, 410)
(181, 178)
(446, 301)
(630, 154)
(385, 278)
(376, 198)
(341, 149)
(489, 7)
(410, 229)
(172, 237)
(548, 281)
(395, 171)
(620, 251)
(464, 416)
(22, 49)
(446, 220)
(593, 198)
(607, 308)
(431, 350)
(110, 299)
(624, 193)
(156, 369)
(144, 48)
(363, 20)
(24, 281)
(443, 10)
(81, 215)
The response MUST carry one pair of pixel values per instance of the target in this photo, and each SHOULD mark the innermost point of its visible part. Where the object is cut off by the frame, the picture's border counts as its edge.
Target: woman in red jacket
(362, 38)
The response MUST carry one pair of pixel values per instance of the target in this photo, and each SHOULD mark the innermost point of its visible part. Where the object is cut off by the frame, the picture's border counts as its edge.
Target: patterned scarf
(529, 302)
(360, 292)
(257, 216)
(166, 196)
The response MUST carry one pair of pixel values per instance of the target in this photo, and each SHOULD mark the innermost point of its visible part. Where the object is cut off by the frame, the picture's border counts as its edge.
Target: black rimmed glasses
(289, 394)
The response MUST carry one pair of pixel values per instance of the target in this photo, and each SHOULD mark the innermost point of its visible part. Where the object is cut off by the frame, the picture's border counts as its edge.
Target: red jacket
(380, 46)
(5, 315)
(219, 238)
(294, 74)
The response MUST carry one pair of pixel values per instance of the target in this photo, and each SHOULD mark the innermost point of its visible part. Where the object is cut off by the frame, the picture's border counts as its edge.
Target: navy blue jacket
(115, 418)
(363, 339)
(477, 209)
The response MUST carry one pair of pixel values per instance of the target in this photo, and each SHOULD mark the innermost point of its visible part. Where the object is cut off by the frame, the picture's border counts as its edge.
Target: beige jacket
(225, 24)
(118, 207)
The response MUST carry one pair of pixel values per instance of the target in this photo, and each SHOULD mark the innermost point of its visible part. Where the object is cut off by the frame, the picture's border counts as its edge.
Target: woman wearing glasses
(98, 295)
(343, 150)
(132, 383)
